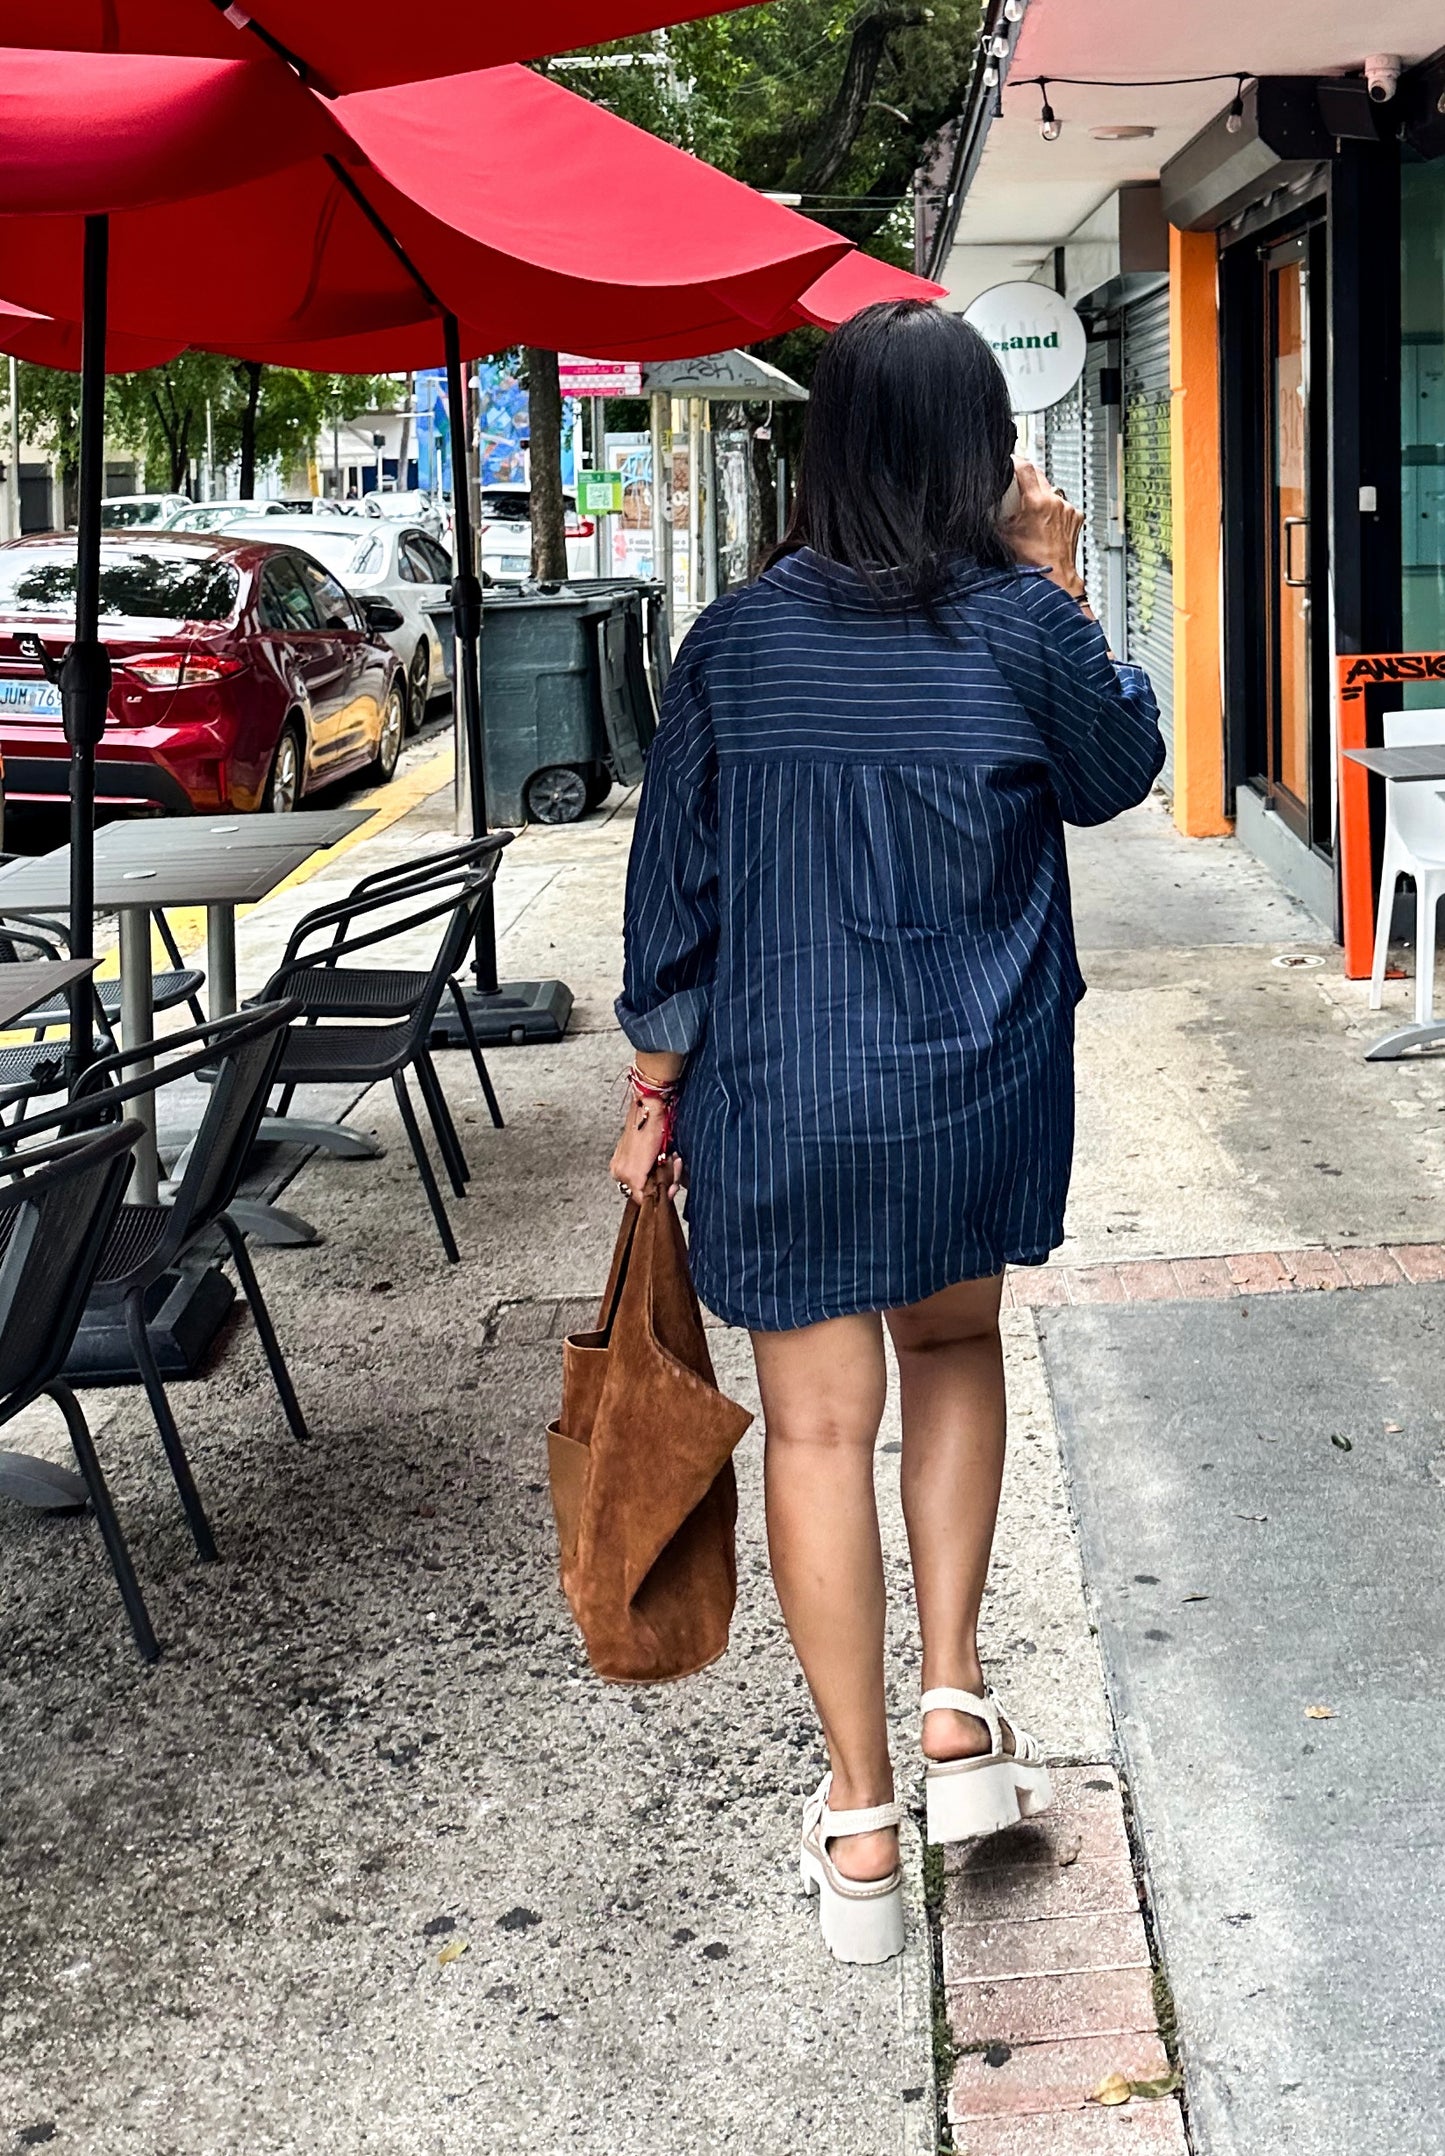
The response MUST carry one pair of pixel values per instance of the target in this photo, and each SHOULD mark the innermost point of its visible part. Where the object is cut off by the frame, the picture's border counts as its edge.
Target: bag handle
(617, 1277)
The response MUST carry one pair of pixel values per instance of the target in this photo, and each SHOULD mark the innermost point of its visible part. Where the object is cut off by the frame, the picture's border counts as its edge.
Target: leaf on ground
(1319, 1714)
(1113, 2089)
(452, 1951)
(1164, 2086)
(1196, 1598)
(1256, 1519)
(1346, 1444)
(1394, 1429)
(1066, 1850)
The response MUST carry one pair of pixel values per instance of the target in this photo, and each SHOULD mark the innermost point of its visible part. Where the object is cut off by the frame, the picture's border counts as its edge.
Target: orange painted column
(1195, 452)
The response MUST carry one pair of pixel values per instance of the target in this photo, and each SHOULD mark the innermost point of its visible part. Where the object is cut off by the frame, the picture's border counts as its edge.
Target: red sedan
(244, 674)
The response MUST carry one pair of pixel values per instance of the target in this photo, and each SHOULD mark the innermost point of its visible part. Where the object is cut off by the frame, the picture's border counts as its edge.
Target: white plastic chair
(1414, 846)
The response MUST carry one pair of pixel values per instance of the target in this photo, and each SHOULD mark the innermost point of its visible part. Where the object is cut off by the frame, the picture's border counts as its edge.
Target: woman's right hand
(634, 1163)
(1043, 530)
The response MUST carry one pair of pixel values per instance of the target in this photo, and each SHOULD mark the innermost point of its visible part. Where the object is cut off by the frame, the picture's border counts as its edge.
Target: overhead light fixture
(1123, 131)
(1049, 126)
(1234, 118)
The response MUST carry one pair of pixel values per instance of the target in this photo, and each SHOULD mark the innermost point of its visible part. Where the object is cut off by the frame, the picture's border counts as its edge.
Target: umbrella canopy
(853, 282)
(57, 344)
(341, 44)
(535, 215)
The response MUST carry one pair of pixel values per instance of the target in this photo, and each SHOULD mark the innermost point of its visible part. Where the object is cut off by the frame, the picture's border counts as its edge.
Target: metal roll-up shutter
(1064, 445)
(1094, 540)
(1148, 525)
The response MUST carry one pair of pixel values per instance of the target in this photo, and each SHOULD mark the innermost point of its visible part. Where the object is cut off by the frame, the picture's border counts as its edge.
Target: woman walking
(850, 989)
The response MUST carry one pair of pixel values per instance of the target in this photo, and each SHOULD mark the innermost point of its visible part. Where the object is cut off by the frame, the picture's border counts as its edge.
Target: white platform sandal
(988, 1790)
(861, 1919)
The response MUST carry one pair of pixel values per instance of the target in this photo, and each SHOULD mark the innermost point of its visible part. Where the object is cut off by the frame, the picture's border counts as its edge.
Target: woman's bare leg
(823, 1390)
(950, 1363)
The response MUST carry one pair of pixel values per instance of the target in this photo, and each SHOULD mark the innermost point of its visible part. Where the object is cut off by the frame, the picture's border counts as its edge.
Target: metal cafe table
(24, 986)
(1413, 764)
(212, 861)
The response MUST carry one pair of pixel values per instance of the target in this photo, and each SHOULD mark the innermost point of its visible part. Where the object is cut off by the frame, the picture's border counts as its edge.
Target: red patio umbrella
(341, 44)
(39, 337)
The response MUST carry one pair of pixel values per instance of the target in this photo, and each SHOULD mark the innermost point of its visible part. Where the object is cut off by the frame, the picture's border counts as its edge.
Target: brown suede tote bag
(641, 1467)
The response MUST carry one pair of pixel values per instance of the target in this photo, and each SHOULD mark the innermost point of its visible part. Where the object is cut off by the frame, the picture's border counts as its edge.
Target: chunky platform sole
(967, 1798)
(857, 1928)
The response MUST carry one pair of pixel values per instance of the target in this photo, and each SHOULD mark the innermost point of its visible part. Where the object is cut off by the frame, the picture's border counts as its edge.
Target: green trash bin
(559, 702)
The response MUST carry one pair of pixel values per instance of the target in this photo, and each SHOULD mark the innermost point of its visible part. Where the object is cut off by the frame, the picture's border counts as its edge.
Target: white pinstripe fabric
(848, 903)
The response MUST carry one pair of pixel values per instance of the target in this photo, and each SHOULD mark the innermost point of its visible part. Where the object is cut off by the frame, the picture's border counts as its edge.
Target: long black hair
(907, 452)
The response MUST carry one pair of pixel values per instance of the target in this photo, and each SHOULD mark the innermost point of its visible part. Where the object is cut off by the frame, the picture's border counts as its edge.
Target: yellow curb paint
(188, 923)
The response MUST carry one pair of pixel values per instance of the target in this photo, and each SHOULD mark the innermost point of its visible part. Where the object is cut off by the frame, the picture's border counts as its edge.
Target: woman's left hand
(634, 1161)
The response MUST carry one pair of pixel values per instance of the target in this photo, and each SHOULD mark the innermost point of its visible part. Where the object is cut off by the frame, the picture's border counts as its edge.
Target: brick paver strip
(1085, 1821)
(1036, 2080)
(1042, 2010)
(1140, 2128)
(1248, 1272)
(1043, 1946)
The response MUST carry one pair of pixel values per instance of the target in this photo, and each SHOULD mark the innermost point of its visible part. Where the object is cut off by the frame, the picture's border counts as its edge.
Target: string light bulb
(998, 48)
(1234, 118)
(990, 76)
(1013, 10)
(1049, 126)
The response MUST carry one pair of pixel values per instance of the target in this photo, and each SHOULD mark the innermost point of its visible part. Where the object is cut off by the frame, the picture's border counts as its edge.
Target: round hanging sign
(1037, 337)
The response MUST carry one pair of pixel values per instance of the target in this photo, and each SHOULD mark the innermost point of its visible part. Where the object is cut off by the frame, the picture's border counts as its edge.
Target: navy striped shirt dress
(848, 905)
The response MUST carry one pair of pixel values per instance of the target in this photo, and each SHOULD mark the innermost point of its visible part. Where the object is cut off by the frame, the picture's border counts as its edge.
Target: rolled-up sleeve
(671, 921)
(1099, 718)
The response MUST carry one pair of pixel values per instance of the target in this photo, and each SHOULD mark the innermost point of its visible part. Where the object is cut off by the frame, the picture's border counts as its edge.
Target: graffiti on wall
(1148, 515)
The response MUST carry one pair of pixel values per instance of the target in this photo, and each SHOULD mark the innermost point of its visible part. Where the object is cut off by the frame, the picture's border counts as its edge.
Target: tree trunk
(544, 427)
(826, 155)
(251, 368)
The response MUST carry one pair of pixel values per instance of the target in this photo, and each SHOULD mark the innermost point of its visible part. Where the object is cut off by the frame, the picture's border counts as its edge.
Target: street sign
(599, 494)
(599, 377)
(1037, 338)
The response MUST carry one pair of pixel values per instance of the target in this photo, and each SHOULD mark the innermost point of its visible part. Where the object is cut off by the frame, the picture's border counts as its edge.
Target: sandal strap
(870, 1821)
(983, 1706)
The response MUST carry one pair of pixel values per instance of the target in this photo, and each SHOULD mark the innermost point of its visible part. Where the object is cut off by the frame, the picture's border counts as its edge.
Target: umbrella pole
(85, 672)
(515, 1010)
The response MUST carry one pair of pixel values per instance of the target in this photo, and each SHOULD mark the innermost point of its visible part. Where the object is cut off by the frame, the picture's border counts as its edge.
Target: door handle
(1289, 527)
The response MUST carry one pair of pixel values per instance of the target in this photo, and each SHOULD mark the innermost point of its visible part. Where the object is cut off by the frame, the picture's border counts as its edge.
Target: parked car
(243, 674)
(432, 512)
(375, 558)
(214, 516)
(506, 524)
(125, 512)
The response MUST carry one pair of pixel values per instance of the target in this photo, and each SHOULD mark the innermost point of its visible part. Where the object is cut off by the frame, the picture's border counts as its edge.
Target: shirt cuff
(670, 1028)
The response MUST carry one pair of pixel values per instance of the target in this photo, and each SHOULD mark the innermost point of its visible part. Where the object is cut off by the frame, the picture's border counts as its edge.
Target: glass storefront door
(1288, 519)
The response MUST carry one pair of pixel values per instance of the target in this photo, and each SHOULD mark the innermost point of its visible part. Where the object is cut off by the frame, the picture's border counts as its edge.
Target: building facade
(1249, 216)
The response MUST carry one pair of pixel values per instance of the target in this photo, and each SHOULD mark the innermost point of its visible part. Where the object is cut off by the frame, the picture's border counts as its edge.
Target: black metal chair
(376, 992)
(58, 1208)
(31, 1069)
(237, 1058)
(363, 1054)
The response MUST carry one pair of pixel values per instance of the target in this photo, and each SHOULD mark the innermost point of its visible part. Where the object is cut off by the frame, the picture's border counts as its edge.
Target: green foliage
(835, 102)
(161, 413)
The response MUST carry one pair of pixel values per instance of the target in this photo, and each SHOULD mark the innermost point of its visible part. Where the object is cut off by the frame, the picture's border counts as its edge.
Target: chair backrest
(57, 1206)
(392, 886)
(1414, 812)
(237, 1057)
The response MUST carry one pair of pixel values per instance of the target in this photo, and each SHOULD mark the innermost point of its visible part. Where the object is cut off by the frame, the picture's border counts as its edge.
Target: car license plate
(37, 699)
(516, 565)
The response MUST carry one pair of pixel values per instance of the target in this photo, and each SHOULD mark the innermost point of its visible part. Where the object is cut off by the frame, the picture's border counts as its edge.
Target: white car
(410, 506)
(507, 535)
(219, 516)
(379, 559)
(133, 512)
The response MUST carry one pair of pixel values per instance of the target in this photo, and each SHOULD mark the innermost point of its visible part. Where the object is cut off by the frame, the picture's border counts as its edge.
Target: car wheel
(418, 682)
(283, 787)
(556, 794)
(393, 726)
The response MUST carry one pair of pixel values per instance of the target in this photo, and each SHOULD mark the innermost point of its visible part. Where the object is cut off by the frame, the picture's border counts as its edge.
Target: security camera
(1382, 76)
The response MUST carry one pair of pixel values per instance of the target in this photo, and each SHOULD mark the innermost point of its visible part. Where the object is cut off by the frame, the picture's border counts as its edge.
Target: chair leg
(140, 1347)
(441, 1122)
(424, 1167)
(276, 1361)
(83, 1446)
(1389, 877)
(283, 1105)
(1424, 949)
(484, 1076)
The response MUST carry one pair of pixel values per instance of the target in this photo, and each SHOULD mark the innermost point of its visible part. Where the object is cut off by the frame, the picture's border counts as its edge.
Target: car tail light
(177, 669)
(580, 527)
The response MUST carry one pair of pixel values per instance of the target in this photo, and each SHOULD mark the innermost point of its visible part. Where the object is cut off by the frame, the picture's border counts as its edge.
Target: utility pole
(597, 407)
(210, 452)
